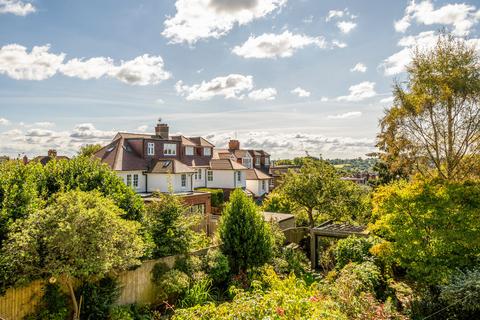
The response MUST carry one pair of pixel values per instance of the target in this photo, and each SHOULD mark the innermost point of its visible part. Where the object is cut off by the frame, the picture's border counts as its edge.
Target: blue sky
(287, 76)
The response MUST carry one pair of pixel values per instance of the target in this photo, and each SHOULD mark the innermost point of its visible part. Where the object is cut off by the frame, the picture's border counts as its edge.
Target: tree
(89, 149)
(81, 236)
(318, 189)
(169, 225)
(434, 125)
(19, 194)
(247, 239)
(87, 174)
(433, 226)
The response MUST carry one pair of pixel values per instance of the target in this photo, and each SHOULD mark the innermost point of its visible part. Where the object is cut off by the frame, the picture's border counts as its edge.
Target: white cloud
(87, 131)
(387, 100)
(44, 124)
(263, 94)
(269, 45)
(232, 86)
(142, 128)
(38, 64)
(302, 93)
(16, 7)
(346, 26)
(346, 115)
(143, 70)
(160, 101)
(288, 145)
(308, 20)
(335, 14)
(461, 16)
(397, 62)
(200, 19)
(93, 68)
(359, 67)
(360, 92)
(339, 44)
(4, 122)
(324, 99)
(38, 132)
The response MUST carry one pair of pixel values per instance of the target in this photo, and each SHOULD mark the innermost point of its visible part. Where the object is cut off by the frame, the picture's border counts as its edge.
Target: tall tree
(317, 189)
(434, 124)
(247, 239)
(80, 237)
(89, 149)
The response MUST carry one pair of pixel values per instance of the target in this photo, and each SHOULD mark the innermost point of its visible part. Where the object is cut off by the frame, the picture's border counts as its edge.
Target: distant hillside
(354, 165)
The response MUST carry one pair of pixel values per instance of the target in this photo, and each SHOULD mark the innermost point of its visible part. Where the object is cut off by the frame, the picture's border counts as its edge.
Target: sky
(286, 76)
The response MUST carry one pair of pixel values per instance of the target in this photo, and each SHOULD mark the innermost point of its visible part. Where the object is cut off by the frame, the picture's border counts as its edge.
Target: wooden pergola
(330, 229)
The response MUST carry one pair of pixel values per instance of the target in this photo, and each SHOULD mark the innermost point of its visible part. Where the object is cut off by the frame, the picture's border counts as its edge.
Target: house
(284, 220)
(258, 183)
(160, 162)
(51, 155)
(249, 158)
(278, 171)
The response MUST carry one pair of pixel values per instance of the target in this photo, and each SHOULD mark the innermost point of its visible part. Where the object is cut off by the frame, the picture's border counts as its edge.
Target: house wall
(226, 179)
(162, 182)
(200, 183)
(255, 186)
(141, 179)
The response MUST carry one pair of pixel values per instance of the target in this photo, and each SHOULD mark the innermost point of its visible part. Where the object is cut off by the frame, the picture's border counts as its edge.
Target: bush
(352, 249)
(463, 290)
(172, 285)
(53, 305)
(247, 239)
(217, 266)
(189, 264)
(197, 294)
(133, 312)
(98, 298)
(293, 260)
(216, 196)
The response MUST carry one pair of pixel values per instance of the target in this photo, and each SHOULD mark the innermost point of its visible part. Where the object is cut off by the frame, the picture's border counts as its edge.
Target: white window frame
(189, 151)
(264, 185)
(267, 161)
(150, 148)
(257, 161)
(207, 151)
(183, 181)
(247, 162)
(135, 180)
(239, 176)
(209, 175)
(169, 149)
(129, 180)
(199, 174)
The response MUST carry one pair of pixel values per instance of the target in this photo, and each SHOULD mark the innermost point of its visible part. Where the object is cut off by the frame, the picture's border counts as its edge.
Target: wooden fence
(136, 287)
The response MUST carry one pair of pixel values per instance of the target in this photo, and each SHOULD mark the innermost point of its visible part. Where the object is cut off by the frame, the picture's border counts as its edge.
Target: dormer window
(150, 149)
(257, 161)
(207, 151)
(170, 149)
(267, 161)
(189, 151)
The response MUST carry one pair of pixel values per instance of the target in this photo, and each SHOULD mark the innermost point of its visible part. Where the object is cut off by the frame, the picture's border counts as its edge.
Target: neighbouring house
(258, 183)
(278, 171)
(51, 155)
(160, 162)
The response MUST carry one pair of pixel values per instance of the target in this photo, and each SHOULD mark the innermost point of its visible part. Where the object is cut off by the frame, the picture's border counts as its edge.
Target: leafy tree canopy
(89, 149)
(79, 236)
(433, 226)
(433, 126)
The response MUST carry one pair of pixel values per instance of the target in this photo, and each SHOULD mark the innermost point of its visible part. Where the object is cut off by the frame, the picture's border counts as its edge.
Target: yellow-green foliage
(273, 298)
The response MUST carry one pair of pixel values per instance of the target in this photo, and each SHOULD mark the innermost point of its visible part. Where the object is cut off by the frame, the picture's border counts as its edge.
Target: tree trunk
(313, 247)
(76, 307)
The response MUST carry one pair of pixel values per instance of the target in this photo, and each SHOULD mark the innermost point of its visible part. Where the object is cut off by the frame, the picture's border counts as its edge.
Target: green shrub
(133, 312)
(463, 290)
(217, 266)
(189, 264)
(216, 196)
(172, 285)
(197, 294)
(98, 298)
(352, 249)
(247, 239)
(293, 260)
(53, 305)
(158, 270)
(361, 277)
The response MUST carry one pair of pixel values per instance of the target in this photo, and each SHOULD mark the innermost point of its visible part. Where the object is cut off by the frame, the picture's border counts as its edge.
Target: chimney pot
(234, 145)
(52, 153)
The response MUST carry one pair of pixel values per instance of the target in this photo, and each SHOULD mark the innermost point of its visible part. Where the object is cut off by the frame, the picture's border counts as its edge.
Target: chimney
(52, 153)
(25, 159)
(161, 130)
(234, 145)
